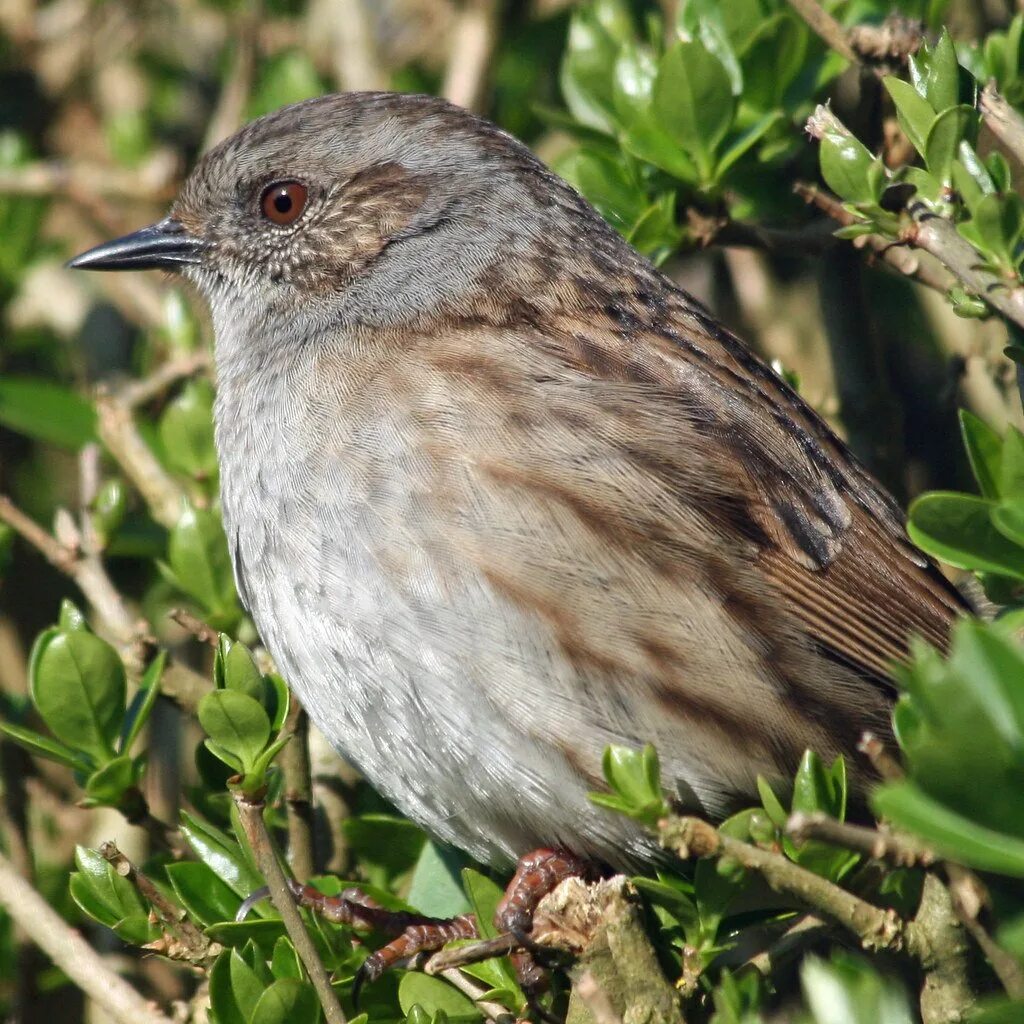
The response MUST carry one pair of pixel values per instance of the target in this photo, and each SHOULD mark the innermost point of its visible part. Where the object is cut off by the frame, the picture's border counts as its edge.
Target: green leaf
(285, 963)
(845, 166)
(435, 996)
(996, 228)
(608, 183)
(914, 113)
(957, 529)
(186, 431)
(287, 1001)
(46, 412)
(952, 834)
(41, 746)
(693, 101)
(771, 803)
(984, 450)
(221, 854)
(238, 934)
(942, 79)
(78, 686)
(106, 787)
(1008, 519)
(198, 553)
(943, 141)
(246, 984)
(115, 893)
(484, 895)
(202, 893)
(740, 144)
(222, 998)
(235, 722)
(584, 78)
(436, 889)
(142, 703)
(850, 991)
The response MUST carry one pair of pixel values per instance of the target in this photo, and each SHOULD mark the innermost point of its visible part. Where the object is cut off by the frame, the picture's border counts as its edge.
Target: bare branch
(823, 24)
(250, 811)
(202, 631)
(71, 953)
(189, 943)
(234, 95)
(347, 24)
(471, 953)
(876, 928)
(153, 181)
(895, 256)
(1006, 124)
(298, 792)
(137, 392)
(882, 761)
(939, 236)
(469, 61)
(118, 432)
(902, 851)
(492, 1011)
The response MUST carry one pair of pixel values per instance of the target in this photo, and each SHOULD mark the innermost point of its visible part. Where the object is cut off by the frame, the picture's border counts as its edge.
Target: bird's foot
(537, 874)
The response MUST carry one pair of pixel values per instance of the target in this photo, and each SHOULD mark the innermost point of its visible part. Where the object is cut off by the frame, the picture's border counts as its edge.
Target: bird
(499, 494)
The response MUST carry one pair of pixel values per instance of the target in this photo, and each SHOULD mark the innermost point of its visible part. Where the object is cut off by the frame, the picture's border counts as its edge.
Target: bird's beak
(162, 246)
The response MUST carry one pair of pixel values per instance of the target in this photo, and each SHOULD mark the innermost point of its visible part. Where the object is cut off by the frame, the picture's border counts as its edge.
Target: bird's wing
(827, 535)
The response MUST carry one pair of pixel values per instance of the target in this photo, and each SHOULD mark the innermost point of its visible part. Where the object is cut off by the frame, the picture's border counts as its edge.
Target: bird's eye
(283, 201)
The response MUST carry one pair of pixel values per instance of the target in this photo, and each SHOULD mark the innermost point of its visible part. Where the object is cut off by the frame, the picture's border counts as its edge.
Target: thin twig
(234, 95)
(202, 631)
(298, 792)
(709, 230)
(492, 1011)
(118, 431)
(1006, 124)
(469, 62)
(881, 760)
(138, 392)
(939, 236)
(970, 901)
(823, 24)
(471, 953)
(180, 683)
(786, 946)
(189, 942)
(895, 257)
(71, 953)
(876, 928)
(250, 812)
(903, 851)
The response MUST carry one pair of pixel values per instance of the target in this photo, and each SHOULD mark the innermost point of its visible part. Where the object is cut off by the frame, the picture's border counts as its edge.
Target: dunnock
(499, 494)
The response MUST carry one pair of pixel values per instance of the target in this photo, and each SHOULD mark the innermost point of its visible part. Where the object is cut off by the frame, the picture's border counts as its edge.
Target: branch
(138, 392)
(357, 64)
(708, 230)
(234, 95)
(901, 851)
(117, 430)
(202, 631)
(298, 792)
(823, 24)
(469, 62)
(179, 682)
(939, 236)
(1006, 124)
(250, 812)
(189, 944)
(894, 256)
(876, 928)
(71, 953)
(471, 953)
(153, 181)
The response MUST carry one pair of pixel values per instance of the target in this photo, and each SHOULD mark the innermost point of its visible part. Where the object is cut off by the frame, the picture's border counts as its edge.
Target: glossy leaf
(693, 100)
(435, 996)
(221, 854)
(46, 412)
(186, 431)
(78, 685)
(984, 450)
(957, 529)
(914, 113)
(287, 1001)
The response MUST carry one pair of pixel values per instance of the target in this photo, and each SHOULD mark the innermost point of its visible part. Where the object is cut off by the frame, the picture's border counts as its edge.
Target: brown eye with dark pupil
(283, 201)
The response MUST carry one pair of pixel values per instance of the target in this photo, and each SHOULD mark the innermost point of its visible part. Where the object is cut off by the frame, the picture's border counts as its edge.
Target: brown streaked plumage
(498, 493)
